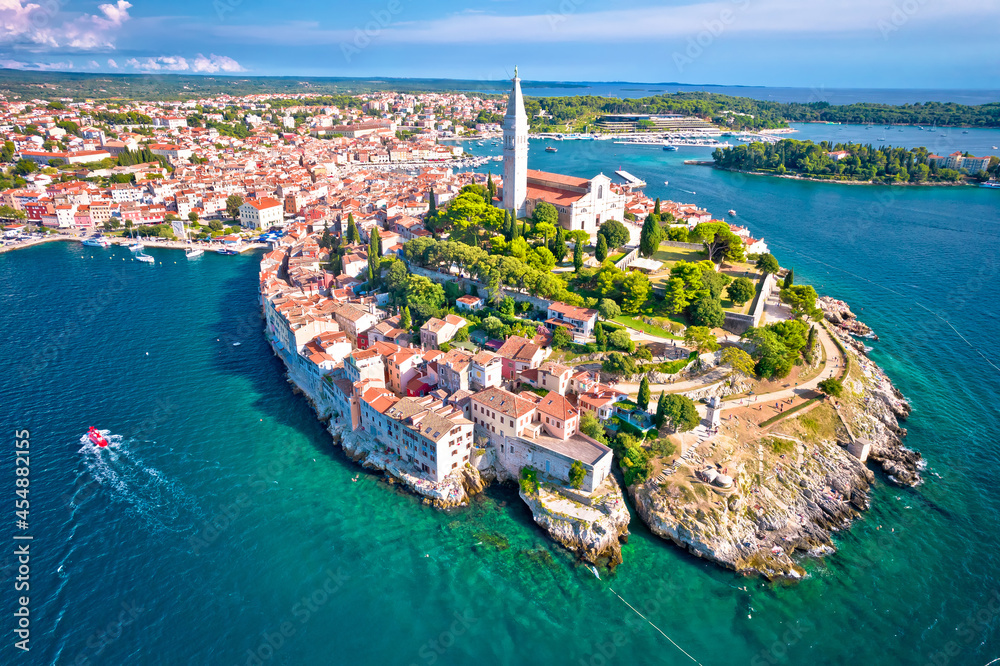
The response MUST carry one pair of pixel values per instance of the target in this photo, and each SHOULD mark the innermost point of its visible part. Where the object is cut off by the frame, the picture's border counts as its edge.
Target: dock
(630, 180)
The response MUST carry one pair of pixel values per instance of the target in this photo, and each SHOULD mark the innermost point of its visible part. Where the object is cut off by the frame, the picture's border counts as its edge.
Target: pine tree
(656, 209)
(578, 256)
(404, 319)
(789, 279)
(326, 240)
(600, 337)
(602, 249)
(644, 395)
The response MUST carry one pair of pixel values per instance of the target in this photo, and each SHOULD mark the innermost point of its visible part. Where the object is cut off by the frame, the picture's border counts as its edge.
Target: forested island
(845, 162)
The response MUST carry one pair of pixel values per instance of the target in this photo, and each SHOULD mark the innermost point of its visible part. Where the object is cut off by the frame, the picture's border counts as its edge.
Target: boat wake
(159, 502)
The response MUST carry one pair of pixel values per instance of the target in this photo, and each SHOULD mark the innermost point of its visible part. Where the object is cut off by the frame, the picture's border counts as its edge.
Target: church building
(583, 204)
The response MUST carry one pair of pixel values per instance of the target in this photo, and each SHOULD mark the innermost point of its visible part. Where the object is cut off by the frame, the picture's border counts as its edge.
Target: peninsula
(857, 163)
(567, 334)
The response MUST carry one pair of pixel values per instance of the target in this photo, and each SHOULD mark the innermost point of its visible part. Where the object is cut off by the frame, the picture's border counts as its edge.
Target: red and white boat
(96, 438)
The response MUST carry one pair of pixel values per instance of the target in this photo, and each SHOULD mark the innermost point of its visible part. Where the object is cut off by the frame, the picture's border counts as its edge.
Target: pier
(630, 180)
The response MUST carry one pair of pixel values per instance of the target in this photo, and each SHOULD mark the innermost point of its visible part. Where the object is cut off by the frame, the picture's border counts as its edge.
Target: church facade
(583, 204)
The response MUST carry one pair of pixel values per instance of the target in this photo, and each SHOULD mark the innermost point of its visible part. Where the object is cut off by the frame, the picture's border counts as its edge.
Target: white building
(261, 213)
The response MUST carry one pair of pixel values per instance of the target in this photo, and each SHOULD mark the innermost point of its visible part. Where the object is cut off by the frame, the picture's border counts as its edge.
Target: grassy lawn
(671, 255)
(729, 306)
(640, 325)
(615, 258)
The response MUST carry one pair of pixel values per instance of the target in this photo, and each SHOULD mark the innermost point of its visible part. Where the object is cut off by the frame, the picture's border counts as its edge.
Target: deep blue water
(223, 505)
(628, 90)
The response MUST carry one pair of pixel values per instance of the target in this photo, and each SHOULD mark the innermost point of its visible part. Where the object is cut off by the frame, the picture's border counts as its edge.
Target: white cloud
(112, 64)
(93, 64)
(215, 63)
(39, 66)
(35, 26)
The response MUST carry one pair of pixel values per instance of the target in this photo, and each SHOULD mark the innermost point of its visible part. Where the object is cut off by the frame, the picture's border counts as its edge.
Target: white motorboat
(194, 253)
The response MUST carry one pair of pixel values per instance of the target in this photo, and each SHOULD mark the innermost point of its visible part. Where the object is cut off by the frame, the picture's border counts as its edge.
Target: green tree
(578, 256)
(10, 213)
(491, 188)
(661, 410)
(708, 312)
(832, 387)
(766, 263)
(802, 300)
(600, 337)
(374, 258)
(701, 338)
(652, 235)
(615, 233)
(608, 309)
(601, 253)
(789, 279)
(326, 240)
(644, 395)
(737, 359)
(193, 218)
(233, 203)
(618, 364)
(635, 289)
(24, 167)
(676, 297)
(559, 248)
(680, 413)
(405, 322)
(620, 339)
(592, 427)
(545, 213)
(561, 337)
(577, 474)
(740, 290)
(216, 225)
(353, 236)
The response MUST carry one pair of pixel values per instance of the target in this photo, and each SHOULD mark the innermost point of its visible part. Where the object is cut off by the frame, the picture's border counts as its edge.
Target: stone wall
(739, 323)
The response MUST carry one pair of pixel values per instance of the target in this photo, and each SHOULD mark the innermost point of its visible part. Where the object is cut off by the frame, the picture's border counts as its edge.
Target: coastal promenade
(208, 246)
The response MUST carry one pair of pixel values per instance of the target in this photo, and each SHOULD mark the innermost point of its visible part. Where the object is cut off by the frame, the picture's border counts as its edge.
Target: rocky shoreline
(789, 501)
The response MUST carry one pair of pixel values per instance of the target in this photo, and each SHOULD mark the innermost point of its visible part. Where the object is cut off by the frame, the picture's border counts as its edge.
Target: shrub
(529, 480)
(577, 473)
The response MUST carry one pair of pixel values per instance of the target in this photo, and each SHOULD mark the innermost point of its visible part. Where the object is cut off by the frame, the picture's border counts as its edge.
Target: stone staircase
(690, 456)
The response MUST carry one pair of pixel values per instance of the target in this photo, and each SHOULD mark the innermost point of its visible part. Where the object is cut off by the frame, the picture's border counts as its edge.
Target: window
(600, 191)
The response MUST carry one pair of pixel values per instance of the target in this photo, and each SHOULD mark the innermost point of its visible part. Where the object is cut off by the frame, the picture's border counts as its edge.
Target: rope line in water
(654, 626)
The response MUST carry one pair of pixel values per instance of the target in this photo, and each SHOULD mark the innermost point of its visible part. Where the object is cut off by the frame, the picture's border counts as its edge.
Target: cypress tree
(644, 394)
(789, 279)
(352, 229)
(559, 248)
(656, 208)
(432, 211)
(404, 319)
(602, 249)
(661, 410)
(578, 256)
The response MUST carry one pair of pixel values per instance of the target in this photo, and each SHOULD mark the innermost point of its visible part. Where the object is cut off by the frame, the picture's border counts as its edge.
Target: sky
(798, 43)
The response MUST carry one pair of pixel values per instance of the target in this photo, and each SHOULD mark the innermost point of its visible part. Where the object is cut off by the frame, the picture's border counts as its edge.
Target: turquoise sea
(223, 528)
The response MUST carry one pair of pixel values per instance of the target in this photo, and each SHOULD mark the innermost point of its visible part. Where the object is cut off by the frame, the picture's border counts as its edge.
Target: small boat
(965, 131)
(995, 148)
(137, 247)
(993, 185)
(96, 438)
(668, 147)
(550, 149)
(194, 253)
(97, 241)
(145, 258)
(732, 213)
(666, 182)
(226, 250)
